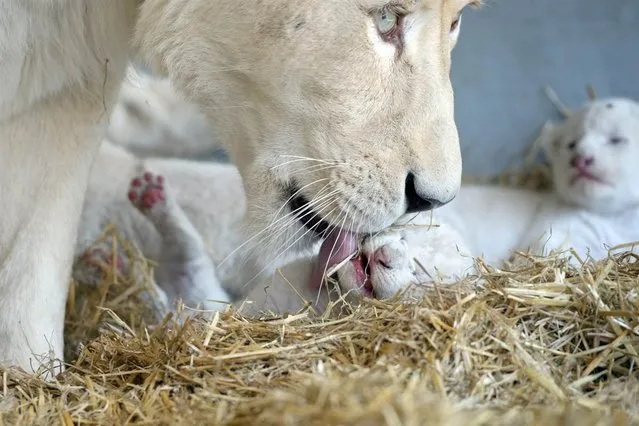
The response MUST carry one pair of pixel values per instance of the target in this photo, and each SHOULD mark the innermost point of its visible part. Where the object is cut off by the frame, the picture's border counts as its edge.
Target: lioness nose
(415, 201)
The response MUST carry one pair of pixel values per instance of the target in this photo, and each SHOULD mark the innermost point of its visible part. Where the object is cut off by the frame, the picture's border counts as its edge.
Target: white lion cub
(152, 118)
(594, 155)
(186, 216)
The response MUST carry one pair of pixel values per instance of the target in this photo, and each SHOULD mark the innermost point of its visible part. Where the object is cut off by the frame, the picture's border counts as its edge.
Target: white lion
(595, 205)
(187, 217)
(152, 119)
(194, 232)
(361, 87)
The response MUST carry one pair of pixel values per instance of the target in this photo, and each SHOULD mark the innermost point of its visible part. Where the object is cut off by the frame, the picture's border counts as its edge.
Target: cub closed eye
(617, 140)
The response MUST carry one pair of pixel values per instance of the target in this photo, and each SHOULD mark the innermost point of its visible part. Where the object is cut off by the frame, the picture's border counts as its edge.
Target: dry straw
(534, 343)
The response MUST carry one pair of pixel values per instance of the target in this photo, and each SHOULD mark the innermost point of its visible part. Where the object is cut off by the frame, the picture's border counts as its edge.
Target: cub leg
(92, 263)
(185, 269)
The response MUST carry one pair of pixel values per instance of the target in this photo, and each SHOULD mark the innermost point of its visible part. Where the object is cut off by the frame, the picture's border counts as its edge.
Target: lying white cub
(152, 119)
(594, 156)
(186, 216)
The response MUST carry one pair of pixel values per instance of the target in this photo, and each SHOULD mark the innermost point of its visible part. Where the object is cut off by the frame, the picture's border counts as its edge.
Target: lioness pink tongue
(338, 246)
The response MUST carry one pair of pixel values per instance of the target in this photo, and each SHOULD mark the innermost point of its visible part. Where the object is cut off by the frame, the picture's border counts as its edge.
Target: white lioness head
(338, 113)
(594, 155)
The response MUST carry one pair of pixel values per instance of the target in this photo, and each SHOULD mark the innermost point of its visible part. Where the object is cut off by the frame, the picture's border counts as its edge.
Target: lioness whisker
(350, 229)
(301, 157)
(294, 216)
(339, 234)
(266, 228)
(284, 250)
(298, 160)
(306, 210)
(296, 193)
(314, 207)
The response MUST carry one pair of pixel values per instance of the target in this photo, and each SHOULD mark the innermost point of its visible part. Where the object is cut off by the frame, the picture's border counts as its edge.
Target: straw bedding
(534, 343)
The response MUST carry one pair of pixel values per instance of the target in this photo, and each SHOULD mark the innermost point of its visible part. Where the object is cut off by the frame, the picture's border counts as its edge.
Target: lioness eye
(455, 23)
(386, 21)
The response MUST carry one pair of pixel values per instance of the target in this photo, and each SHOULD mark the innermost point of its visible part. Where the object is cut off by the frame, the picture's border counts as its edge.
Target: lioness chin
(338, 114)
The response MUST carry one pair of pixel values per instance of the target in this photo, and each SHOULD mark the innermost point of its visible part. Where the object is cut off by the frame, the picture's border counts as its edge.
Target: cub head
(405, 255)
(151, 118)
(594, 155)
(338, 113)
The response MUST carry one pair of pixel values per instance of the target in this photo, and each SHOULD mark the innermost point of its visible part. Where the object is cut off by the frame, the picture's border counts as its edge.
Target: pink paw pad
(147, 190)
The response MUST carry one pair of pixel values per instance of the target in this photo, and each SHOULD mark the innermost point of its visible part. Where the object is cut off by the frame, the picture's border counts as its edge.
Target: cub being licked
(595, 203)
(186, 216)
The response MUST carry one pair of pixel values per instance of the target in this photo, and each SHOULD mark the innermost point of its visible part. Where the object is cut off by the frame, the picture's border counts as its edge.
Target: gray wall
(509, 49)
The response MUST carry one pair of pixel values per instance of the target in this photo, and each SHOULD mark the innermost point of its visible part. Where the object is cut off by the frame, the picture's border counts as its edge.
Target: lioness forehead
(411, 5)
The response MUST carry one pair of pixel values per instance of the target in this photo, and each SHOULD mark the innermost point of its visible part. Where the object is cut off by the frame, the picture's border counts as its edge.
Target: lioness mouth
(302, 209)
(338, 245)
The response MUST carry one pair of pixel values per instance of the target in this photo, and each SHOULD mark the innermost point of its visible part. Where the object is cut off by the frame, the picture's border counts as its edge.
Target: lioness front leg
(62, 63)
(45, 158)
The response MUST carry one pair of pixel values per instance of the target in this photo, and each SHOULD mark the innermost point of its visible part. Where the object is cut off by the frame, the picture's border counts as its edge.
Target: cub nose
(581, 161)
(416, 202)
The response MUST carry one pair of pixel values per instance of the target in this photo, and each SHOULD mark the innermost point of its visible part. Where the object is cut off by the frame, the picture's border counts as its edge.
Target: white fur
(415, 251)
(200, 222)
(203, 209)
(152, 118)
(273, 89)
(62, 62)
(304, 102)
(585, 215)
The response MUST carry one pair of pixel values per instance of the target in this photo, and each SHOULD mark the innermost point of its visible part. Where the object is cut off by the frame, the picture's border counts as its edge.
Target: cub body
(194, 234)
(152, 119)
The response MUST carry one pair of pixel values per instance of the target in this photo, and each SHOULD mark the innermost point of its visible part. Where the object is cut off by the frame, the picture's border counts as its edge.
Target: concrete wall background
(510, 49)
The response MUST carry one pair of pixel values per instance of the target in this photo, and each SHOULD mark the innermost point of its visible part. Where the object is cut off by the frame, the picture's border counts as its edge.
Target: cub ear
(137, 110)
(549, 139)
